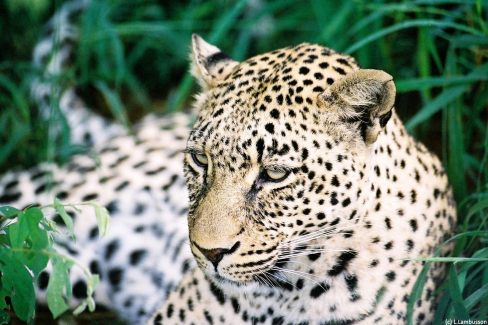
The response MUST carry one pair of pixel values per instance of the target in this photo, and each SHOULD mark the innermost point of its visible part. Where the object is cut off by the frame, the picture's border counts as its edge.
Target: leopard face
(276, 161)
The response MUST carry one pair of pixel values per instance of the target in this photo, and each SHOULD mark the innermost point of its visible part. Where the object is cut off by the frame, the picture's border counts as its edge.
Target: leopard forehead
(282, 78)
(275, 88)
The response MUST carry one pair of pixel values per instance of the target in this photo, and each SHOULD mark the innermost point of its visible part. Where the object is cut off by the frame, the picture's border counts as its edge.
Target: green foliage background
(132, 58)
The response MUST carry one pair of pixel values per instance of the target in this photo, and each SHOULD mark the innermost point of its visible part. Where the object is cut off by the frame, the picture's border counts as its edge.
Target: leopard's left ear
(209, 63)
(364, 98)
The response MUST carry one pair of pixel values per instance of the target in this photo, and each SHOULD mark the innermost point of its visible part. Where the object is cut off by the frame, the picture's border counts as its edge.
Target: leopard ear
(363, 97)
(209, 63)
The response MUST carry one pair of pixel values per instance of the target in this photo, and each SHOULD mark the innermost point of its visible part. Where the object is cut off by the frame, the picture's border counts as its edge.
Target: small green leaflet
(9, 212)
(103, 218)
(59, 288)
(59, 207)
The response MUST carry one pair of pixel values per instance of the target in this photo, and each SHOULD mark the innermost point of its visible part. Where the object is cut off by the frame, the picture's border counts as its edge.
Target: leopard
(290, 194)
(309, 202)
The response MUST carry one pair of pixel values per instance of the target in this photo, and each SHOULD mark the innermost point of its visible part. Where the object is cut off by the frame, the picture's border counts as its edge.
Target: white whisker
(308, 276)
(320, 233)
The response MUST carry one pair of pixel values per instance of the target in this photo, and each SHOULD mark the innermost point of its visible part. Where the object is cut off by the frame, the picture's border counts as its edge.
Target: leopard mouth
(266, 276)
(266, 271)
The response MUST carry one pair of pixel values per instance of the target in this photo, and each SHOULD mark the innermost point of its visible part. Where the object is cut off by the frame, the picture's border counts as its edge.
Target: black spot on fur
(218, 112)
(111, 248)
(90, 197)
(79, 289)
(235, 305)
(328, 166)
(342, 262)
(304, 70)
(260, 149)
(275, 113)
(269, 127)
(319, 289)
(351, 282)
(218, 294)
(208, 317)
(7, 198)
(43, 280)
(335, 181)
(112, 207)
(158, 319)
(278, 321)
(215, 58)
(314, 257)
(136, 256)
(413, 224)
(115, 276)
(390, 276)
(170, 310)
(94, 267)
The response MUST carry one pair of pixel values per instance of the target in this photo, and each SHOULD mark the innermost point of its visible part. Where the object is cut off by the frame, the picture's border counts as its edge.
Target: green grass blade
(456, 296)
(114, 103)
(439, 102)
(409, 24)
(413, 84)
(416, 293)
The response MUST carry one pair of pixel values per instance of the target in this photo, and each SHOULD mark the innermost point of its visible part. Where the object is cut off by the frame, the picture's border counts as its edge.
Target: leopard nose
(215, 255)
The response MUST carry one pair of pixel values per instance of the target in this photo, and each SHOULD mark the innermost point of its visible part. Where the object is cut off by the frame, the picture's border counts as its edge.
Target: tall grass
(131, 58)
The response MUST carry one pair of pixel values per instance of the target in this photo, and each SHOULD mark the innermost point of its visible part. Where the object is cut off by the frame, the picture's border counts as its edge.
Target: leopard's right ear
(364, 98)
(209, 63)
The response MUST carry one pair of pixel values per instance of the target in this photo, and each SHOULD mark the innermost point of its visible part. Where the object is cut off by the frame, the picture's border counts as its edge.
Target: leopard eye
(275, 174)
(200, 159)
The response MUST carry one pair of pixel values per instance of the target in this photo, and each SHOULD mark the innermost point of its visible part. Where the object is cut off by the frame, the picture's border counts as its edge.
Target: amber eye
(275, 174)
(200, 159)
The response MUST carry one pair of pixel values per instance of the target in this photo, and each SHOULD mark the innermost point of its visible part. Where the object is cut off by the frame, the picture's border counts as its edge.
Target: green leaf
(456, 296)
(59, 288)
(476, 296)
(29, 241)
(92, 281)
(39, 241)
(9, 212)
(18, 232)
(17, 95)
(477, 207)
(18, 283)
(4, 316)
(103, 218)
(59, 207)
(91, 303)
(440, 313)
